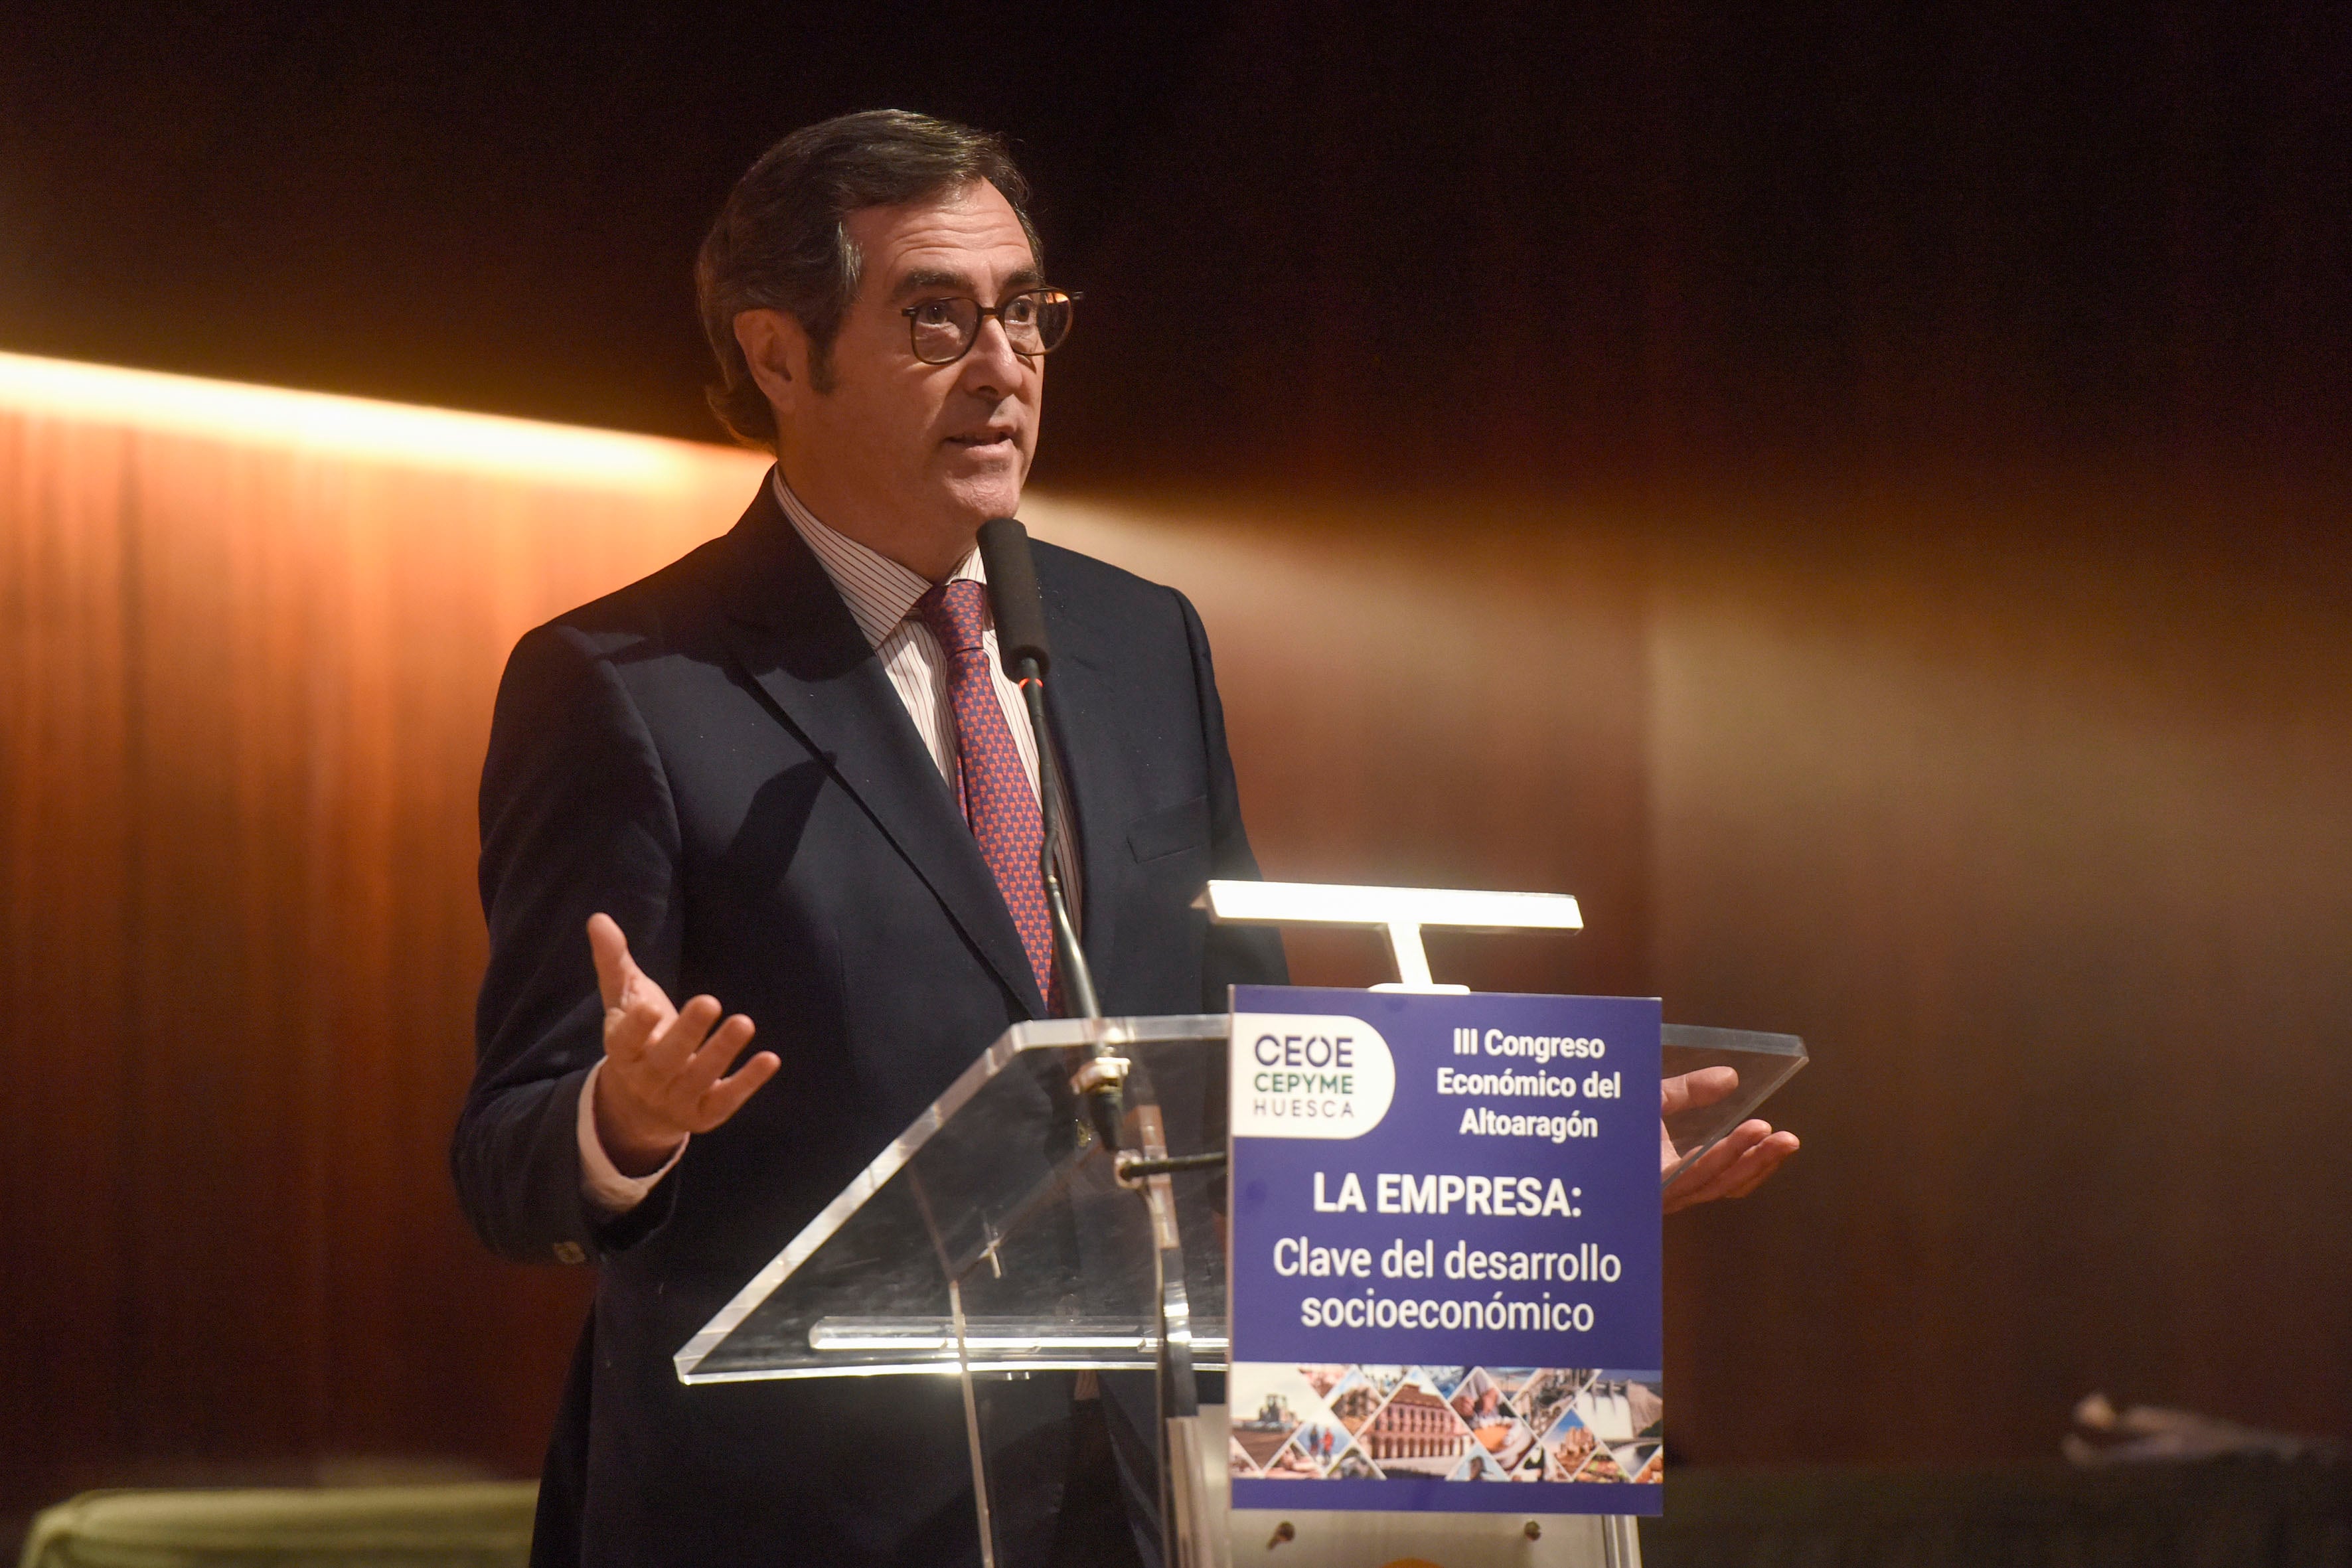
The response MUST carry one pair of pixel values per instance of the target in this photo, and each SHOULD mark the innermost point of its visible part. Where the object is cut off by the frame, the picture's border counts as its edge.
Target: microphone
(1013, 595)
(1027, 654)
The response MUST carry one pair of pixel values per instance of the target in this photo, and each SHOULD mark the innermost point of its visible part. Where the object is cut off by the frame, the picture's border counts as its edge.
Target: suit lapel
(1081, 709)
(794, 638)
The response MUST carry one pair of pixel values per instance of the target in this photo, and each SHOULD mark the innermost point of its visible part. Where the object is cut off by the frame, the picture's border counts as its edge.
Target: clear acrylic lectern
(997, 1235)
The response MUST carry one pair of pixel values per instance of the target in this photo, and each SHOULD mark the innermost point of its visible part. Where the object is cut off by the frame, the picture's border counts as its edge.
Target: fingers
(1703, 1179)
(619, 981)
(726, 1096)
(690, 1057)
(1746, 1174)
(711, 1056)
(664, 1064)
(1687, 1091)
(1702, 1176)
(610, 948)
(637, 1011)
(1736, 1166)
(630, 1032)
(1758, 1163)
(674, 1044)
(634, 1033)
(1709, 1166)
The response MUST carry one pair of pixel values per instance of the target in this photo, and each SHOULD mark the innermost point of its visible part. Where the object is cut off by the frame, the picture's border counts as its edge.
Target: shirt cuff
(601, 1182)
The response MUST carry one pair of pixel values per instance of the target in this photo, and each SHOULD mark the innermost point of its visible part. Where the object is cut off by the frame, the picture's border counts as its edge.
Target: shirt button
(570, 1252)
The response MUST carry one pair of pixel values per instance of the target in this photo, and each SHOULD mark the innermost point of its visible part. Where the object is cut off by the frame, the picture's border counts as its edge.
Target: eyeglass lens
(1034, 322)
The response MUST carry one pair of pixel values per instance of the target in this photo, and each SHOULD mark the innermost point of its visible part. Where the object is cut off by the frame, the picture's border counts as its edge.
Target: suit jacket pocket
(1171, 830)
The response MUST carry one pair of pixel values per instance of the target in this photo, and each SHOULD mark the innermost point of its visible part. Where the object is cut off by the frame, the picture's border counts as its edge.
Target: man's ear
(776, 349)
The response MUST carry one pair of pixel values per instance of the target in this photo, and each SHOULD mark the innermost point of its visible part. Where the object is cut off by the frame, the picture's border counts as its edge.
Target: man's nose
(990, 366)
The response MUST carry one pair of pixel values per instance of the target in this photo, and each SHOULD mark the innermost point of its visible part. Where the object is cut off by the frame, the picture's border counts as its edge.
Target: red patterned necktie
(998, 800)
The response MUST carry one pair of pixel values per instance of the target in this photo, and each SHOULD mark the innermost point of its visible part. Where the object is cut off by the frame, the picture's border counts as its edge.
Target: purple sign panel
(1445, 1261)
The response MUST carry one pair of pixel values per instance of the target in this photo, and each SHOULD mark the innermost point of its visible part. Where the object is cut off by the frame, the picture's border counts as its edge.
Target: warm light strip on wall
(403, 434)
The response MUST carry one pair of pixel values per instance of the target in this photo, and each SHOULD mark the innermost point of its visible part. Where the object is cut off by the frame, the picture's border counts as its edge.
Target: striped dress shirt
(881, 596)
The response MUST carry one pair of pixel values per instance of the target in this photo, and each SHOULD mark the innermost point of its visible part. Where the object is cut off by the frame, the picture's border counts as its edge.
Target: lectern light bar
(1401, 911)
(1320, 903)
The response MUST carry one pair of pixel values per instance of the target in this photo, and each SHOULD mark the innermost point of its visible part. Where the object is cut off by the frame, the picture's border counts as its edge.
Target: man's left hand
(1737, 1165)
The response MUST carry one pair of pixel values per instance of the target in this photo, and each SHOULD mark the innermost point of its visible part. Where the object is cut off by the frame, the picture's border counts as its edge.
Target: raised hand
(1737, 1165)
(665, 1072)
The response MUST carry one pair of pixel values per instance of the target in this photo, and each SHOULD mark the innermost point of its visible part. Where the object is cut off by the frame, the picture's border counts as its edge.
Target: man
(787, 772)
(765, 776)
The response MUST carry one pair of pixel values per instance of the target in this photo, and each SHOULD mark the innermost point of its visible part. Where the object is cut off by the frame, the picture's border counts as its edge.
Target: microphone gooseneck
(1022, 645)
(1135, 1139)
(1027, 655)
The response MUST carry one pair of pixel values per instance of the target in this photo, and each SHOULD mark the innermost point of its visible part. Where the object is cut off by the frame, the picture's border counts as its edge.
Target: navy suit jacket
(714, 757)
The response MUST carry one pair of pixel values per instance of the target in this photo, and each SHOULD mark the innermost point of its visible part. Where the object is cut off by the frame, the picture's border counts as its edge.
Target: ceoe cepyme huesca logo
(1308, 1076)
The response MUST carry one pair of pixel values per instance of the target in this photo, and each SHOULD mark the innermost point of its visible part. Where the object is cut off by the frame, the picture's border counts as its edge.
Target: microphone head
(1013, 594)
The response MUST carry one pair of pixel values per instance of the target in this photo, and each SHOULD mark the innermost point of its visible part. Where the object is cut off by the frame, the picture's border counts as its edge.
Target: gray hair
(781, 242)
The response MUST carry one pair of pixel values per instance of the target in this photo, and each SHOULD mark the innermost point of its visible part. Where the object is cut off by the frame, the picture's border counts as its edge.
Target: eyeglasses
(943, 331)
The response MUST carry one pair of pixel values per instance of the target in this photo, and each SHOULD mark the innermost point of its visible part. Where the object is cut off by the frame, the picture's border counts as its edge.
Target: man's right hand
(663, 1065)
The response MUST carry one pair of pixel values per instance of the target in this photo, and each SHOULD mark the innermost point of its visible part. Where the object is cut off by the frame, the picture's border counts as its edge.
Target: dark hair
(781, 242)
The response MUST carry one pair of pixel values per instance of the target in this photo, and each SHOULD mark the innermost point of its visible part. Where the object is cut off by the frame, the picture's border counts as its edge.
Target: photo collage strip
(1445, 1423)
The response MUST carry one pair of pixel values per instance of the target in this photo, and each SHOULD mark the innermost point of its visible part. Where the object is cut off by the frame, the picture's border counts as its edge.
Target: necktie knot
(957, 613)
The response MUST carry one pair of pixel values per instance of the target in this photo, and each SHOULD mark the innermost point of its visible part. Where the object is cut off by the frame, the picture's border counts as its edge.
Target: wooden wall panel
(66, 874)
(248, 672)
(2048, 849)
(2031, 808)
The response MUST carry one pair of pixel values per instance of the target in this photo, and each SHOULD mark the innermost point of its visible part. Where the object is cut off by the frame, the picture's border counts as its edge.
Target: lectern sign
(1444, 1252)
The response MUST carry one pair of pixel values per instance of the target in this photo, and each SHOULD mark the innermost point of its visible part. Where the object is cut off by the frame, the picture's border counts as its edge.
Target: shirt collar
(880, 592)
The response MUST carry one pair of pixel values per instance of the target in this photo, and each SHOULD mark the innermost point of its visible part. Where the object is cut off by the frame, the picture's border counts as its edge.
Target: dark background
(1503, 244)
(1857, 494)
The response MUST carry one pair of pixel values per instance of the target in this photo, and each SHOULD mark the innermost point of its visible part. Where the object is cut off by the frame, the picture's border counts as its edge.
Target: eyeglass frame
(986, 313)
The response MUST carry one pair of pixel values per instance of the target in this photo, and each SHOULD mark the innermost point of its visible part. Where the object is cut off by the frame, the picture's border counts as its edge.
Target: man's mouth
(995, 435)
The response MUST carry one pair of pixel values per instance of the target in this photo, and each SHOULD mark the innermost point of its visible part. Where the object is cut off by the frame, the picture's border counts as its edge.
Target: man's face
(900, 448)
